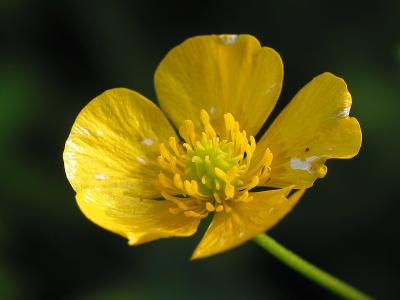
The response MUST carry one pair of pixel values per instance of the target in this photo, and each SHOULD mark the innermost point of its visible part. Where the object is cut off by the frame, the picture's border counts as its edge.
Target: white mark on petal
(74, 146)
(70, 167)
(85, 131)
(300, 164)
(141, 160)
(148, 142)
(100, 176)
(345, 112)
(99, 132)
(212, 109)
(72, 162)
(270, 88)
(228, 38)
(240, 235)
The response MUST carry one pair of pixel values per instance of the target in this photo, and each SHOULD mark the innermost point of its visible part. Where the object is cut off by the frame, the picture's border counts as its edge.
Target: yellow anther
(229, 122)
(243, 143)
(217, 197)
(210, 207)
(205, 119)
(187, 132)
(264, 175)
(191, 213)
(164, 152)
(161, 161)
(209, 169)
(187, 147)
(196, 159)
(220, 174)
(178, 181)
(268, 157)
(174, 146)
(188, 187)
(195, 187)
(252, 143)
(217, 185)
(229, 191)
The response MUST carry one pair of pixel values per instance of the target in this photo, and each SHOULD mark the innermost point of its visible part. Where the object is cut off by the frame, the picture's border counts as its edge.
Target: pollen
(207, 169)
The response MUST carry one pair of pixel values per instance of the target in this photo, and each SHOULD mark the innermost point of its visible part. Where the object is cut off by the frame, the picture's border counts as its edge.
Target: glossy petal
(245, 221)
(314, 127)
(139, 220)
(220, 74)
(114, 143)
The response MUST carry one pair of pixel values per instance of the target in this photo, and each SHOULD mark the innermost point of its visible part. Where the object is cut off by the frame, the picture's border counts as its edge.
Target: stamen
(210, 207)
(217, 185)
(217, 197)
(188, 187)
(220, 174)
(164, 152)
(229, 191)
(172, 143)
(178, 181)
(188, 133)
(191, 213)
(205, 119)
(209, 169)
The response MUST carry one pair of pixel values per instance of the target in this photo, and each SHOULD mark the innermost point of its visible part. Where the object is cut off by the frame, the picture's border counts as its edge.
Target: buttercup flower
(135, 176)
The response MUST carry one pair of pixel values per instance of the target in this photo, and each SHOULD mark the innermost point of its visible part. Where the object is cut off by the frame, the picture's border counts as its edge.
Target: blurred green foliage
(57, 55)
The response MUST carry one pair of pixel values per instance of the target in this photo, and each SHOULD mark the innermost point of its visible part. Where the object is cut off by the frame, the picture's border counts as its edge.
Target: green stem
(310, 271)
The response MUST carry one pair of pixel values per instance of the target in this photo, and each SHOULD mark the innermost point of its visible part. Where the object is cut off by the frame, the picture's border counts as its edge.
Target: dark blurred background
(57, 55)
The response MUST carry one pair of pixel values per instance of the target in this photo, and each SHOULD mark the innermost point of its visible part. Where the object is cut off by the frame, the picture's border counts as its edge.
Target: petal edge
(245, 221)
(221, 74)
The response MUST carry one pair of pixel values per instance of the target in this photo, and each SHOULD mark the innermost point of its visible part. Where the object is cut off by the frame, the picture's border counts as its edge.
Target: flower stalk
(313, 273)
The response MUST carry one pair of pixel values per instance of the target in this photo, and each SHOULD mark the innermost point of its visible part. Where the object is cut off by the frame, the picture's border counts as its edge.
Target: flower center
(208, 158)
(208, 170)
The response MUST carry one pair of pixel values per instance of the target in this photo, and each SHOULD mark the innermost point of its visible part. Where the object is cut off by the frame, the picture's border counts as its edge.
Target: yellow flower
(135, 176)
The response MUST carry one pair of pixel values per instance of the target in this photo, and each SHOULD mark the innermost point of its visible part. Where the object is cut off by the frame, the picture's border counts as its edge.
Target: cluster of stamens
(206, 171)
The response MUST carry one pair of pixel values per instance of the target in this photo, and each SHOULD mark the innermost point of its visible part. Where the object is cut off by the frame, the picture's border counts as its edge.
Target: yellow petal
(245, 221)
(220, 74)
(114, 143)
(139, 220)
(314, 127)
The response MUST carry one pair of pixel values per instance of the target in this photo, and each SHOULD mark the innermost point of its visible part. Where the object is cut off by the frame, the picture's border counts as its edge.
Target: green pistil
(202, 161)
